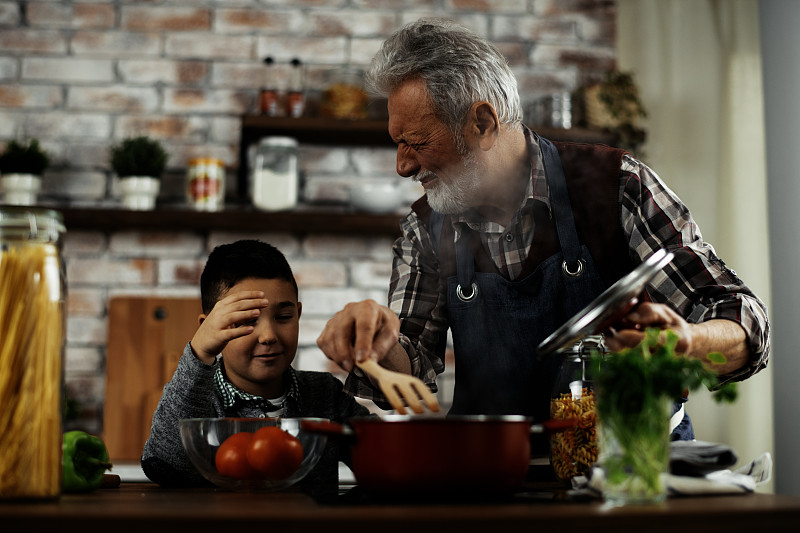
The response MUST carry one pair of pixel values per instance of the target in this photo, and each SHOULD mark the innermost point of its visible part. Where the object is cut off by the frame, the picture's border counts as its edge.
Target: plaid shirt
(696, 283)
(234, 399)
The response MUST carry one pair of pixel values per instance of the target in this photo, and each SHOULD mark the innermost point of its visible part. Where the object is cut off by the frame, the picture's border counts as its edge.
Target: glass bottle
(574, 452)
(295, 96)
(32, 296)
(268, 98)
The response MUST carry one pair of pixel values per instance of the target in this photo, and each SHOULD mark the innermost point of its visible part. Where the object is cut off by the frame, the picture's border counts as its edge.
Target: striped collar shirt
(233, 397)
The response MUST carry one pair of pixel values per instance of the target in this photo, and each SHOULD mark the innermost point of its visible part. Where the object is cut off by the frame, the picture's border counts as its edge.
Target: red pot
(397, 453)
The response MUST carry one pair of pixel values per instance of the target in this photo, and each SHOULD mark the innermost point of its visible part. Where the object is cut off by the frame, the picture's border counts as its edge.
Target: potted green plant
(614, 105)
(21, 167)
(635, 388)
(139, 163)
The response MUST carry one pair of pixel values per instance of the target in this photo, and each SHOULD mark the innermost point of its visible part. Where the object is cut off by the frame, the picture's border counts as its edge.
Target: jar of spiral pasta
(32, 290)
(573, 452)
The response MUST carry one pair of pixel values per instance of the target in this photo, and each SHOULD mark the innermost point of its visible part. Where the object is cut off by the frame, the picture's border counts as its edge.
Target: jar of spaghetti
(205, 184)
(32, 320)
(573, 452)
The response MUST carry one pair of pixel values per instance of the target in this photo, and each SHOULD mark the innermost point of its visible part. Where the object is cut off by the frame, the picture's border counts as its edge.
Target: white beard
(458, 196)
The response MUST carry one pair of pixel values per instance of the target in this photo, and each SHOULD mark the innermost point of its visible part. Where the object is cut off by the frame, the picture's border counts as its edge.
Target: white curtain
(698, 67)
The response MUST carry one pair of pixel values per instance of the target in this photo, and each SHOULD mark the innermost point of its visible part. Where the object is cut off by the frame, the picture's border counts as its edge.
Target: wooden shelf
(304, 219)
(369, 133)
(300, 221)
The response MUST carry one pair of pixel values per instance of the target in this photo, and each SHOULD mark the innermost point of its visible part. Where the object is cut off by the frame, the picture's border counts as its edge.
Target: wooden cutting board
(146, 337)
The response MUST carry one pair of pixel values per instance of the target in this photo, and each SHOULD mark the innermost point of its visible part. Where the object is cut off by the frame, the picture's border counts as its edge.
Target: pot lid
(614, 303)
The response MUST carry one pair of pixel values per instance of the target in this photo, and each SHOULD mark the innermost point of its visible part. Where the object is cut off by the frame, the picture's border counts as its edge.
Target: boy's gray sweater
(191, 393)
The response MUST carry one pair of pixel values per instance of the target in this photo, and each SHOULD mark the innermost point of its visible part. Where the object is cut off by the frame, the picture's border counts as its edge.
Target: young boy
(238, 364)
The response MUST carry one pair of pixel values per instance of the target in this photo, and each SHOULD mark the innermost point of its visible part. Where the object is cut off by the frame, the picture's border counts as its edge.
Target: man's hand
(696, 340)
(361, 330)
(629, 332)
(231, 318)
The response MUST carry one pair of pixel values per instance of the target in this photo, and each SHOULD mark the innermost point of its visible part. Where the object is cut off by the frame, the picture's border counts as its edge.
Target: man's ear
(483, 124)
(201, 318)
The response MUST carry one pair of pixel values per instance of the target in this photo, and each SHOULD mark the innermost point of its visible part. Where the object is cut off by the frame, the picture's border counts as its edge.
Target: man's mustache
(425, 174)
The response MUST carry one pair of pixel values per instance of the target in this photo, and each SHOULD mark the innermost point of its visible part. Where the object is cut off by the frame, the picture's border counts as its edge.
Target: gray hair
(458, 66)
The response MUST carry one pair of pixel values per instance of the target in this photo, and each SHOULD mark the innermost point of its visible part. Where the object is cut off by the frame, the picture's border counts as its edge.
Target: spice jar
(295, 95)
(268, 96)
(32, 294)
(205, 184)
(574, 452)
(275, 176)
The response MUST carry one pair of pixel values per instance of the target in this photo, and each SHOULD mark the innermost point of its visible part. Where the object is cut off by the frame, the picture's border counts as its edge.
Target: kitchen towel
(698, 458)
(720, 481)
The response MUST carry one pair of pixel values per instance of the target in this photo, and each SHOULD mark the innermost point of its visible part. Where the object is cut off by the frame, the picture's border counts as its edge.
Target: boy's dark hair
(228, 264)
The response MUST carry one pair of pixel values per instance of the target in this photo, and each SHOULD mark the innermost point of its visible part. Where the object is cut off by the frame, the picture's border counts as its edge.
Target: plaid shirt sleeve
(416, 296)
(697, 284)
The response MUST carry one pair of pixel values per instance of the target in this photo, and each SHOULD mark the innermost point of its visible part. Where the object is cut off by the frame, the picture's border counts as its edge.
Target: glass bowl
(202, 438)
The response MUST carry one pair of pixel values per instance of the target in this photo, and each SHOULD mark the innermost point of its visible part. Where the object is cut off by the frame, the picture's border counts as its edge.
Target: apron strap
(467, 289)
(562, 209)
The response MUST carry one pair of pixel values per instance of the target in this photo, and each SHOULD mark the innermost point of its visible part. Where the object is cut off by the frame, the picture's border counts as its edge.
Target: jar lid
(585, 346)
(345, 75)
(206, 161)
(34, 223)
(277, 140)
(605, 310)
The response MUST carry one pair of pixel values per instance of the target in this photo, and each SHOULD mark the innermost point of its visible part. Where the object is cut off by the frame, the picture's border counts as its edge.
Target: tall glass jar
(574, 452)
(32, 296)
(275, 175)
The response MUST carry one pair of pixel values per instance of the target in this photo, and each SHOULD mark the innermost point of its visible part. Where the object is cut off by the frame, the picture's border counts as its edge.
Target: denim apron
(497, 324)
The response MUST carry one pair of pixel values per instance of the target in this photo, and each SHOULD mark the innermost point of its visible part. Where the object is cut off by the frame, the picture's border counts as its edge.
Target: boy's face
(257, 362)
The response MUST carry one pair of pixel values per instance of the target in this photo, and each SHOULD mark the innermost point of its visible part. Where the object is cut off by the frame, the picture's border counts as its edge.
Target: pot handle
(325, 427)
(554, 426)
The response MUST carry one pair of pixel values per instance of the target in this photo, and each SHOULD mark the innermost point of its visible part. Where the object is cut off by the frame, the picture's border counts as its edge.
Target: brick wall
(81, 75)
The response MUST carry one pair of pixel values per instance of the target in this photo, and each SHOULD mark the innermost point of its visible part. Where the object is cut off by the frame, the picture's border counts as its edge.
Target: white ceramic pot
(20, 189)
(139, 192)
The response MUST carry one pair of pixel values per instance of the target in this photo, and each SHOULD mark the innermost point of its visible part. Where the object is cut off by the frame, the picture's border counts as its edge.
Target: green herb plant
(24, 158)
(138, 156)
(635, 388)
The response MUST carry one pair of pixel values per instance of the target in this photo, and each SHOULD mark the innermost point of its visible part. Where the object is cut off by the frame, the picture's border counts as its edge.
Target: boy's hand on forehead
(232, 317)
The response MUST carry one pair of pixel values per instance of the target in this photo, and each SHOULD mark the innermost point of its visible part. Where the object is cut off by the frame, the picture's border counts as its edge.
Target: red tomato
(231, 458)
(274, 453)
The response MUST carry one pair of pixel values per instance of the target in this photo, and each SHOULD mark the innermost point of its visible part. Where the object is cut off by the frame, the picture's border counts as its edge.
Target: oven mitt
(698, 458)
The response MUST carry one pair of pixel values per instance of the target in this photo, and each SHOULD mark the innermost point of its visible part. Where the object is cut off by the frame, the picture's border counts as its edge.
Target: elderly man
(516, 234)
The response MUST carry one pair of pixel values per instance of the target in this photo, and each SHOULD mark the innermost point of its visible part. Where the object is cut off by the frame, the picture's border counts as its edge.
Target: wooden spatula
(401, 389)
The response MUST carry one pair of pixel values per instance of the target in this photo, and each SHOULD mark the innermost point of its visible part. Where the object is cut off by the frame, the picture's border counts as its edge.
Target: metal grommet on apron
(467, 297)
(572, 273)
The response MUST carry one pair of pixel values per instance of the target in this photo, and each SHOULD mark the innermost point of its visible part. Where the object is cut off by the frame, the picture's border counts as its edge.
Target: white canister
(205, 184)
(275, 175)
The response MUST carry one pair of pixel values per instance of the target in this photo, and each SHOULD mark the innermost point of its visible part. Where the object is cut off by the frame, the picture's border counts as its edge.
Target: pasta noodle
(31, 325)
(573, 452)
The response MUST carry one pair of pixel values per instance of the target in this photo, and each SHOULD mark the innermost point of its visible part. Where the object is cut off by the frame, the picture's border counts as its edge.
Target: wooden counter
(146, 508)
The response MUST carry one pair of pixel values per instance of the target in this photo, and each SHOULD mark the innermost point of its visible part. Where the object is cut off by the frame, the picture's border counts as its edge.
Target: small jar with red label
(205, 184)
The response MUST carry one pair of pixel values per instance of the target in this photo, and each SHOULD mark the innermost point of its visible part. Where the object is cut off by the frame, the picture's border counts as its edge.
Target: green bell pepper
(83, 463)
